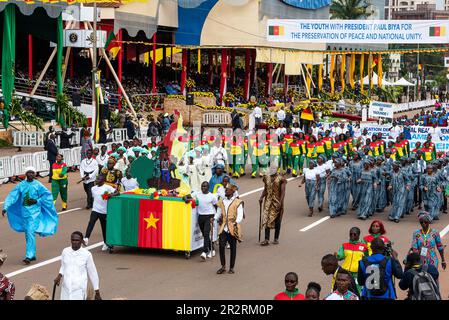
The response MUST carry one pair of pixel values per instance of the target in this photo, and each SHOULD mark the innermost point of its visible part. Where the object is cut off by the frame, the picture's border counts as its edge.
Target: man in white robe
(77, 265)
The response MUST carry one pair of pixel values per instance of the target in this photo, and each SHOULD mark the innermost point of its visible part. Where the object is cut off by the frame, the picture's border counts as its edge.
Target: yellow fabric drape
(370, 71)
(331, 74)
(309, 76)
(343, 72)
(362, 65)
(351, 71)
(320, 77)
(199, 60)
(379, 70)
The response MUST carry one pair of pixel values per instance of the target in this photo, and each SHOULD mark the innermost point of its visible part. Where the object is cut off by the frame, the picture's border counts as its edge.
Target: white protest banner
(376, 128)
(380, 110)
(440, 146)
(358, 31)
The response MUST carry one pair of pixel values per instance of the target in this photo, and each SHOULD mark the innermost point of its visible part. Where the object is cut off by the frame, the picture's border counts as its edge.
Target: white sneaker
(86, 241)
(203, 256)
(209, 255)
(213, 253)
(105, 247)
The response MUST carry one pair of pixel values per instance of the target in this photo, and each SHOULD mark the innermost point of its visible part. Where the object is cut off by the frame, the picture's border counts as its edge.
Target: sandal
(264, 243)
(221, 270)
(231, 271)
(276, 241)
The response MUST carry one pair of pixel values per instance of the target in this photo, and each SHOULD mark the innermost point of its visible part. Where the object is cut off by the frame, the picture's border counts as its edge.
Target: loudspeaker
(190, 99)
(76, 100)
(104, 111)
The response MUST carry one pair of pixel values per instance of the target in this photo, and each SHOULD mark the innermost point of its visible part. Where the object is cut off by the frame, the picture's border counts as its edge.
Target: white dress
(76, 266)
(207, 167)
(196, 174)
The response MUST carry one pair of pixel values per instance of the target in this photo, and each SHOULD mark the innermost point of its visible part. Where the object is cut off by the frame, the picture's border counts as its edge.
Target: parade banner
(380, 110)
(376, 128)
(439, 146)
(358, 31)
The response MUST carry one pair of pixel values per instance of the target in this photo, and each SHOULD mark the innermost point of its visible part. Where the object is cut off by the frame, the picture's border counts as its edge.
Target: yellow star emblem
(151, 222)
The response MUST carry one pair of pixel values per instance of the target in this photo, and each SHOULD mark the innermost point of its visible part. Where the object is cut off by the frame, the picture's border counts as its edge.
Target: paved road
(149, 274)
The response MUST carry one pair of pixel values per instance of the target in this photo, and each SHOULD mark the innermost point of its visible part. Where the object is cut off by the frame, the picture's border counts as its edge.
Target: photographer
(424, 274)
(376, 272)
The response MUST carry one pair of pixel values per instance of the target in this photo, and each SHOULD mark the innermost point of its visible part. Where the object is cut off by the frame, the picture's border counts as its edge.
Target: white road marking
(310, 226)
(46, 262)
(67, 211)
(444, 231)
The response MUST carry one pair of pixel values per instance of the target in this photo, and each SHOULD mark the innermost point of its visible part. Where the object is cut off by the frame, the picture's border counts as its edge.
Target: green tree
(348, 9)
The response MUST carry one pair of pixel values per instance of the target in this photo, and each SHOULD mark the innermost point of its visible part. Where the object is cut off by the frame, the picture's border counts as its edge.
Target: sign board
(446, 62)
(216, 118)
(80, 13)
(83, 38)
(358, 31)
(380, 110)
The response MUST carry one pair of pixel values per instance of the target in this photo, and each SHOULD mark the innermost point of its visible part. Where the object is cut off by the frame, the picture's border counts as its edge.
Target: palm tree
(349, 9)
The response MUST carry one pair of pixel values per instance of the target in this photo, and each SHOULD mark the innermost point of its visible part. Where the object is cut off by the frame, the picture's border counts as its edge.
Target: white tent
(403, 82)
(374, 80)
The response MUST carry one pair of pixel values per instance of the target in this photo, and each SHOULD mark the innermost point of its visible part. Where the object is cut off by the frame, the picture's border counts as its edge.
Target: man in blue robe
(30, 209)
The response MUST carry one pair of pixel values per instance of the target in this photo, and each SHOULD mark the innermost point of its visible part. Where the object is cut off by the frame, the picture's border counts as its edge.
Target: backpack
(376, 283)
(424, 286)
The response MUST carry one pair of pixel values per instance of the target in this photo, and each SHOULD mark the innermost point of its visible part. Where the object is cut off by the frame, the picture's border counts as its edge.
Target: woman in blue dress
(322, 171)
(312, 180)
(356, 170)
(382, 185)
(365, 184)
(399, 184)
(408, 171)
(347, 186)
(336, 189)
(430, 185)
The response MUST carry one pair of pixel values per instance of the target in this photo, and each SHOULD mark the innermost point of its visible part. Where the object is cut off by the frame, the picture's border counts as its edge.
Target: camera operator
(424, 274)
(376, 272)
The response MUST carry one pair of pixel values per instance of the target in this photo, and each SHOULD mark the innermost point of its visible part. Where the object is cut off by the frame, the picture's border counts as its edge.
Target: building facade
(395, 6)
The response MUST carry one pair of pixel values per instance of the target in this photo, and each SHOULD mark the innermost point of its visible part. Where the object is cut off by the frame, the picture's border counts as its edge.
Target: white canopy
(374, 80)
(403, 82)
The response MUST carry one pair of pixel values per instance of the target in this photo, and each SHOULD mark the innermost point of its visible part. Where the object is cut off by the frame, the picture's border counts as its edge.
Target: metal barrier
(6, 167)
(20, 162)
(119, 135)
(28, 138)
(40, 162)
(76, 156)
(68, 157)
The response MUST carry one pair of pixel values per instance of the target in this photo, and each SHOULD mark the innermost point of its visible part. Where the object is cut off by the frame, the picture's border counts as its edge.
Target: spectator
(258, 115)
(413, 267)
(130, 130)
(65, 138)
(7, 288)
(342, 291)
(291, 291)
(313, 291)
(377, 271)
(86, 144)
(329, 265)
(52, 151)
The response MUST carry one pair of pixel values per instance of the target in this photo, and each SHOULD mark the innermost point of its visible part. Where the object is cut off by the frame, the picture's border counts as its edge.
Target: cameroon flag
(135, 221)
